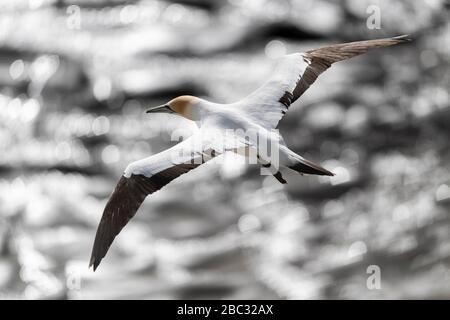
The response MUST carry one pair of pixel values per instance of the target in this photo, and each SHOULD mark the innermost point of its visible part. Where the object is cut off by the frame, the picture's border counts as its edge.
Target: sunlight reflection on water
(72, 101)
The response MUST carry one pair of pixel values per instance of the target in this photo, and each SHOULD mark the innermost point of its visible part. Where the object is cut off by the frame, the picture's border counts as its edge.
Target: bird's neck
(199, 110)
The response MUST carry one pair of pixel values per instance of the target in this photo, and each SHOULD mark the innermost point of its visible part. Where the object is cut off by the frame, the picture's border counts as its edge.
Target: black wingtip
(403, 38)
(94, 263)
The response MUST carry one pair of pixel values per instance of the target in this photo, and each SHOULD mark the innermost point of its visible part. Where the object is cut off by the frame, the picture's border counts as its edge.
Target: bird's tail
(305, 166)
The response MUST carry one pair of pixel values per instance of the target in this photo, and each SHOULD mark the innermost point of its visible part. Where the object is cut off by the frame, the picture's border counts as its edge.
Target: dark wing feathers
(321, 59)
(131, 192)
(339, 52)
(125, 201)
(310, 75)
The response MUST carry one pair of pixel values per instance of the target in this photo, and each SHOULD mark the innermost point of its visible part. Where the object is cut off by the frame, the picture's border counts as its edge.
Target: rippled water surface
(76, 77)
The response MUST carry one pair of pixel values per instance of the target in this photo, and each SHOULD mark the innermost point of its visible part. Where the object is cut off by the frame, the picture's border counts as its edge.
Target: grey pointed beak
(160, 109)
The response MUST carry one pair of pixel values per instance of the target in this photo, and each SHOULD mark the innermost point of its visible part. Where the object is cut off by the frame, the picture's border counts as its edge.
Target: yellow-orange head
(182, 105)
(186, 106)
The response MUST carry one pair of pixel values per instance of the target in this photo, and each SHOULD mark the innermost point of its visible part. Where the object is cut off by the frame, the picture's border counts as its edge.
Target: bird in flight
(259, 112)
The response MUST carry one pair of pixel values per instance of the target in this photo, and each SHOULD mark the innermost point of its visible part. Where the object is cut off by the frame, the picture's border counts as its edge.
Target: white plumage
(241, 127)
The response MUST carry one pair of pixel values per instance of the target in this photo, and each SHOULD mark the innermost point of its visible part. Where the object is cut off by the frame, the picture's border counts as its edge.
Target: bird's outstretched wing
(295, 73)
(140, 179)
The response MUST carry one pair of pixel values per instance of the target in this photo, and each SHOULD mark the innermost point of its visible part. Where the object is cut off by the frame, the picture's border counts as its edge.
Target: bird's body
(245, 127)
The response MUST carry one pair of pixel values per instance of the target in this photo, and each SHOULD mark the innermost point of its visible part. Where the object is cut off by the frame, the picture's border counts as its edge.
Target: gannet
(260, 111)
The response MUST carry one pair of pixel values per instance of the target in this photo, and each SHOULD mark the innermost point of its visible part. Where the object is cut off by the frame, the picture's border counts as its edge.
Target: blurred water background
(76, 77)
